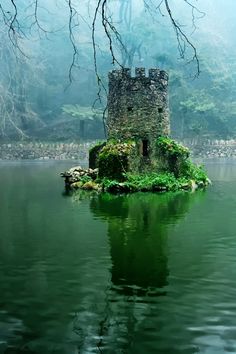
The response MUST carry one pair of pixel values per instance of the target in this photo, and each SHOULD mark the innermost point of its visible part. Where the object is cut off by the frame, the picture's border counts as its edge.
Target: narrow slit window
(160, 110)
(145, 147)
(130, 109)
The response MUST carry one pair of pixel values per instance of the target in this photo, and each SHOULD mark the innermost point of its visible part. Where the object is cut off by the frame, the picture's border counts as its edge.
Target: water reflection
(84, 274)
(137, 232)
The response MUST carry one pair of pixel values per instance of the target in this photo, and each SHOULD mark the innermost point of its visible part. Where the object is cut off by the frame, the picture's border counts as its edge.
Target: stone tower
(138, 106)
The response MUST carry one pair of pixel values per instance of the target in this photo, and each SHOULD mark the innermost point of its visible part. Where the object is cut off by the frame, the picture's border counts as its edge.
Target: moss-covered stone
(76, 185)
(113, 160)
(91, 185)
(93, 154)
(172, 155)
(118, 169)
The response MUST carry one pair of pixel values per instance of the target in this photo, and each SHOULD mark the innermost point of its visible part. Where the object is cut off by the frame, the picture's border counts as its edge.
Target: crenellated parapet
(152, 74)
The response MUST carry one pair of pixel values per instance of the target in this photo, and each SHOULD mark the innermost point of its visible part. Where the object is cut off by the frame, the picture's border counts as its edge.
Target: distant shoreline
(207, 148)
(59, 151)
(43, 151)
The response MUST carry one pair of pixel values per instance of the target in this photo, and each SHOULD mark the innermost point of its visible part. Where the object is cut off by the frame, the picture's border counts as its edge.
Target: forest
(55, 58)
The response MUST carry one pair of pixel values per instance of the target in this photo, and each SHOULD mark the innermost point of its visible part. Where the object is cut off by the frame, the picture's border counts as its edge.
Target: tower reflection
(137, 231)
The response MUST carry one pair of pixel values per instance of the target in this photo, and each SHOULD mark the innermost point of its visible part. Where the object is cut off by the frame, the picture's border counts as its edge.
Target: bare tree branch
(102, 17)
(183, 39)
(72, 14)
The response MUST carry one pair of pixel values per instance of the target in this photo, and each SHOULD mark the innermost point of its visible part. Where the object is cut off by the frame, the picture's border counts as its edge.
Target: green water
(142, 273)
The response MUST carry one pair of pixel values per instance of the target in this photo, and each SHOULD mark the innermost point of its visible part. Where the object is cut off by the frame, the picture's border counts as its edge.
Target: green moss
(91, 185)
(170, 147)
(171, 154)
(93, 154)
(191, 171)
(76, 185)
(113, 160)
(177, 161)
(174, 171)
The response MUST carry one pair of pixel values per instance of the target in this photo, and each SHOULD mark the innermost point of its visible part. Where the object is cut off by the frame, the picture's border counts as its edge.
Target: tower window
(130, 109)
(160, 110)
(145, 147)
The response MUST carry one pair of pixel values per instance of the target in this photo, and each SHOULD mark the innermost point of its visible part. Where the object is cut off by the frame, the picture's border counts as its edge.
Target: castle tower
(138, 106)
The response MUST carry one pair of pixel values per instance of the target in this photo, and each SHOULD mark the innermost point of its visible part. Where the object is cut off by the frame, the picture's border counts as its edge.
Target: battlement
(125, 73)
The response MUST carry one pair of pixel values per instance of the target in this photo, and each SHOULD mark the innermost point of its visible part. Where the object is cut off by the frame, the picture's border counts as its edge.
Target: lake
(142, 273)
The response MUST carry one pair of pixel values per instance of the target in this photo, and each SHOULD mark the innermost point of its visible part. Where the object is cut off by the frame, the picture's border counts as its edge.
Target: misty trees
(25, 19)
(108, 26)
(47, 44)
(17, 74)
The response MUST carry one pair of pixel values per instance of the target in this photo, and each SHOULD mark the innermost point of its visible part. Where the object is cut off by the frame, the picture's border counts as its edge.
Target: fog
(55, 60)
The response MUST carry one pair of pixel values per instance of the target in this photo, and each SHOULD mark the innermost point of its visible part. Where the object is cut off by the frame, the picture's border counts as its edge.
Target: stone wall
(211, 148)
(45, 151)
(138, 106)
(75, 151)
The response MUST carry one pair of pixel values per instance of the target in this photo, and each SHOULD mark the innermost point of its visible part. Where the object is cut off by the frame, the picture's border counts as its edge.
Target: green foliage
(179, 172)
(146, 183)
(170, 147)
(109, 184)
(204, 107)
(85, 179)
(172, 154)
(93, 154)
(156, 182)
(113, 160)
(191, 171)
(200, 103)
(152, 182)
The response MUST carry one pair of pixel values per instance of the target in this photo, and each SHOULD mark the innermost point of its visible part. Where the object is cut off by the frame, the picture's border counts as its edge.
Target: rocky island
(138, 155)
